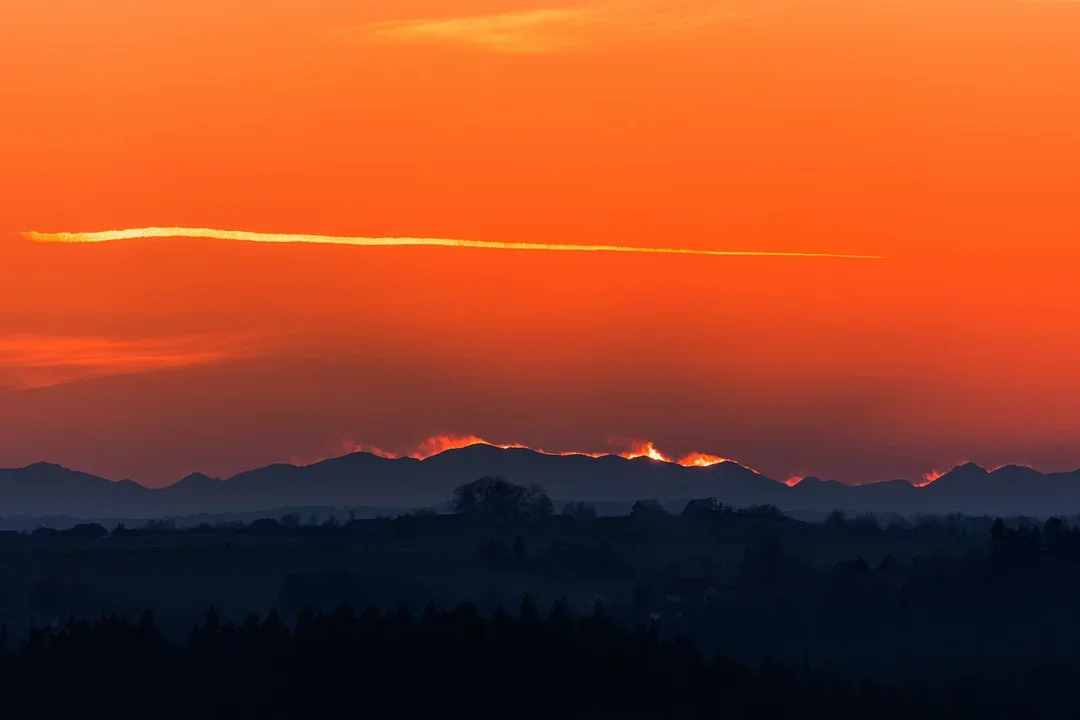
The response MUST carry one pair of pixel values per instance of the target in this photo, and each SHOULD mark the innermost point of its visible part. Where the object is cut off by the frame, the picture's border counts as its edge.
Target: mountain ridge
(363, 478)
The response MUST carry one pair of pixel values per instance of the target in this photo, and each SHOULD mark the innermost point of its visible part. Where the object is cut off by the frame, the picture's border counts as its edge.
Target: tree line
(382, 664)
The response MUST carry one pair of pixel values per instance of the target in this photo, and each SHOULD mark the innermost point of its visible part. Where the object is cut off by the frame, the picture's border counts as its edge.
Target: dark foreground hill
(368, 480)
(395, 664)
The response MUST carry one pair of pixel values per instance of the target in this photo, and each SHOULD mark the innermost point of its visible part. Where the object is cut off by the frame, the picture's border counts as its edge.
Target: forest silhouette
(507, 607)
(382, 664)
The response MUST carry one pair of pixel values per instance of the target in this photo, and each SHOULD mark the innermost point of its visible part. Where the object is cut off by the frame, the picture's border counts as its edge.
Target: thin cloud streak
(29, 362)
(530, 31)
(543, 30)
(285, 238)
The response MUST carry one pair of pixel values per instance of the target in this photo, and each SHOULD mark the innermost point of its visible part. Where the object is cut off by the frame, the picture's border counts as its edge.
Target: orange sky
(942, 134)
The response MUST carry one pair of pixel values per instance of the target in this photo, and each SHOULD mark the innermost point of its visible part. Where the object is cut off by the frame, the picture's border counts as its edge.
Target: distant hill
(362, 479)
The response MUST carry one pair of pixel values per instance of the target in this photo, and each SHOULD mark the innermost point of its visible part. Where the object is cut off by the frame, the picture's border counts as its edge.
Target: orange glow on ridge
(442, 443)
(702, 460)
(929, 477)
(646, 449)
(370, 449)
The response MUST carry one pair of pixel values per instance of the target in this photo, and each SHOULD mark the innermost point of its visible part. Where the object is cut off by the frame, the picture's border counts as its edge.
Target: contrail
(245, 236)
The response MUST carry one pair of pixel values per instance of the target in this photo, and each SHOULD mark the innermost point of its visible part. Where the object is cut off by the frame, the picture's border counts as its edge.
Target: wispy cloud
(106, 236)
(37, 361)
(543, 30)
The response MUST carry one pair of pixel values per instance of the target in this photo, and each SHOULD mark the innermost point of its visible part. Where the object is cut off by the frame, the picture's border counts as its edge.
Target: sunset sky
(940, 135)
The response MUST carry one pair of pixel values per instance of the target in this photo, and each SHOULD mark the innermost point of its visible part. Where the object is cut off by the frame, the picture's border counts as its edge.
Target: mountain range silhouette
(370, 480)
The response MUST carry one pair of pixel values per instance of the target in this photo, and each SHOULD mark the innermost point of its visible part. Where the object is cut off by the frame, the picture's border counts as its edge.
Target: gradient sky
(942, 134)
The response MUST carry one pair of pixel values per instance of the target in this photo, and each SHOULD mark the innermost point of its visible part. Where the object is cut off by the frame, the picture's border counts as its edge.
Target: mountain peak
(968, 472)
(1014, 468)
(477, 450)
(43, 465)
(198, 477)
(195, 482)
(811, 481)
(1010, 473)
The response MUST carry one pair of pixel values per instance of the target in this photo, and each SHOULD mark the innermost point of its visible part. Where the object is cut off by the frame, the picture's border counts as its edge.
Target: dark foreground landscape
(399, 665)
(505, 605)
